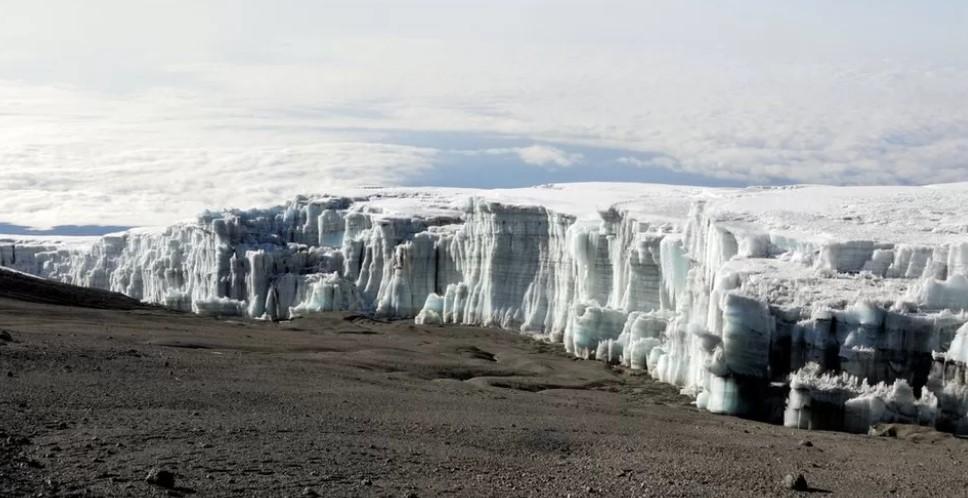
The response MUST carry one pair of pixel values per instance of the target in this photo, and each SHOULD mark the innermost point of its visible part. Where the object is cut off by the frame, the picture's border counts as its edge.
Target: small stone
(161, 477)
(309, 492)
(796, 483)
(367, 482)
(805, 443)
(17, 441)
(5, 336)
(9, 373)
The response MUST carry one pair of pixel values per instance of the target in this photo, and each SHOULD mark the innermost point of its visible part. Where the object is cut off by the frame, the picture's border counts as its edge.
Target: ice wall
(748, 311)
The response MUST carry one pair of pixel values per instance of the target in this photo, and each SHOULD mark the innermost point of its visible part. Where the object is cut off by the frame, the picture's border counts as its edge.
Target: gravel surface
(94, 402)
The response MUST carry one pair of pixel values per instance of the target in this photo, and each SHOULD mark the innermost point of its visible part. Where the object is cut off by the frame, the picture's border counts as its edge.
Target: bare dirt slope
(340, 405)
(19, 286)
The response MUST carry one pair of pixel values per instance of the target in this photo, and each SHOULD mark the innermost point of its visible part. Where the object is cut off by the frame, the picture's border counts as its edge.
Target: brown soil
(26, 288)
(341, 405)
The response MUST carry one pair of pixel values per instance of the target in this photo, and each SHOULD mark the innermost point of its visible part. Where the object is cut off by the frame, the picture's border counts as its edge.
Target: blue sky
(130, 113)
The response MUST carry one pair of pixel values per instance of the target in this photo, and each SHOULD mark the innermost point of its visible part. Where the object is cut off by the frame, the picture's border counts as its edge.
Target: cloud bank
(141, 187)
(146, 114)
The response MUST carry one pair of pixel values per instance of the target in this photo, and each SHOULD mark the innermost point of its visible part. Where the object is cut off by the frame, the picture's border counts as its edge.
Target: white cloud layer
(158, 186)
(543, 155)
(132, 114)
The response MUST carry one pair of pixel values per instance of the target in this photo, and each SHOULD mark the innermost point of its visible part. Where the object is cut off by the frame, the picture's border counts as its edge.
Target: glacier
(812, 306)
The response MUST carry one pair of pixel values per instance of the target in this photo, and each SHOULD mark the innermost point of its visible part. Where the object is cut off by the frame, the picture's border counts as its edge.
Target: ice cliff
(818, 307)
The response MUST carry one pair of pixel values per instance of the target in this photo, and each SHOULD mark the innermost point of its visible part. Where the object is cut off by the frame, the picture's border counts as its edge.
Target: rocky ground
(92, 400)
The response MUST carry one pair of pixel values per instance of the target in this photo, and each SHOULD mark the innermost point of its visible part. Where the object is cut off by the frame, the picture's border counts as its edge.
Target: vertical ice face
(592, 327)
(747, 329)
(848, 256)
(507, 266)
(845, 402)
(768, 303)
